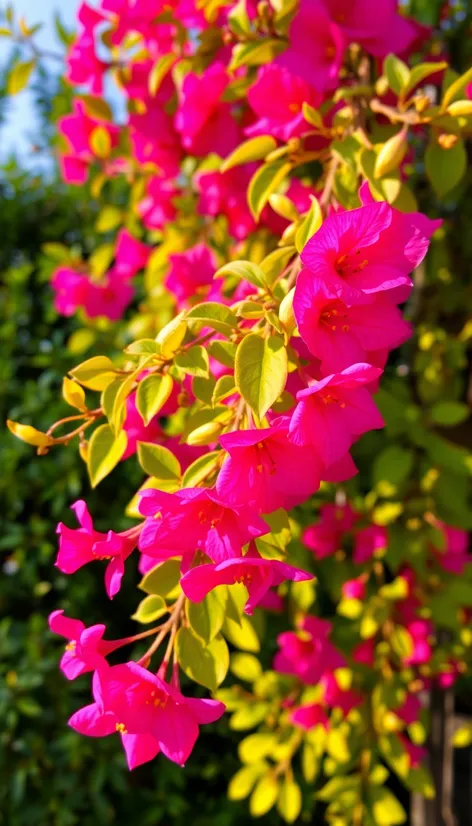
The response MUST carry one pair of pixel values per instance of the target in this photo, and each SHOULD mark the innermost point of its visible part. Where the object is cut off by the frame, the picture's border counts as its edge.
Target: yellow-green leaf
(100, 142)
(163, 580)
(73, 394)
(19, 76)
(207, 617)
(95, 373)
(309, 225)
(289, 801)
(255, 149)
(171, 336)
(206, 665)
(264, 796)
(158, 461)
(264, 182)
(261, 371)
(104, 452)
(152, 394)
(150, 609)
(29, 434)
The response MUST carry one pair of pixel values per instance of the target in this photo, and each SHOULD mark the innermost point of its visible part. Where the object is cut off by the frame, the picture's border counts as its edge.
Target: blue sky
(20, 124)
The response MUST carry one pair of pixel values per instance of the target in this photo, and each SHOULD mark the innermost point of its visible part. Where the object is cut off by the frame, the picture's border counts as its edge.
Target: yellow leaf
(73, 394)
(29, 434)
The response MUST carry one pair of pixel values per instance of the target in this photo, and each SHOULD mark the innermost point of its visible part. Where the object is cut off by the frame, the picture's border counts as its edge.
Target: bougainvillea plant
(280, 384)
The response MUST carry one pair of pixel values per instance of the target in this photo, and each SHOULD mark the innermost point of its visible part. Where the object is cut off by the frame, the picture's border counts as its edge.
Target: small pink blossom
(326, 537)
(455, 555)
(157, 208)
(70, 289)
(368, 541)
(263, 469)
(131, 255)
(85, 650)
(83, 65)
(224, 193)
(81, 545)
(354, 589)
(316, 46)
(204, 122)
(276, 98)
(256, 573)
(78, 128)
(308, 653)
(332, 413)
(336, 697)
(309, 716)
(150, 715)
(191, 273)
(196, 519)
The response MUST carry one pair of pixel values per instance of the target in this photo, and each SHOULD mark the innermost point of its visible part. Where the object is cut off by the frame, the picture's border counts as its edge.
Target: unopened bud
(391, 154)
(286, 314)
(447, 141)
(381, 87)
(205, 434)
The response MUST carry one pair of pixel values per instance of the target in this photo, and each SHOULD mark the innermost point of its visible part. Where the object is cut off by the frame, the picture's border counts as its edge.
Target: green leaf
(73, 394)
(245, 270)
(445, 167)
(29, 434)
(100, 142)
(206, 665)
(449, 414)
(242, 783)
(238, 19)
(194, 362)
(387, 512)
(245, 667)
(104, 452)
(206, 618)
(242, 635)
(224, 387)
(161, 68)
(264, 796)
(150, 609)
(109, 218)
(95, 373)
(152, 394)
(312, 115)
(217, 316)
(392, 465)
(284, 207)
(19, 76)
(289, 801)
(99, 108)
(261, 371)
(223, 351)
(310, 224)
(397, 73)
(158, 461)
(255, 53)
(163, 580)
(255, 149)
(264, 182)
(421, 72)
(455, 89)
(257, 746)
(274, 264)
(401, 642)
(249, 716)
(202, 469)
(144, 346)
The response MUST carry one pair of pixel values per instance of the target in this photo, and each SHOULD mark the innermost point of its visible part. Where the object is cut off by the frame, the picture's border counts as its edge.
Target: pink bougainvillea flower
(354, 588)
(191, 273)
(308, 653)
(150, 715)
(136, 430)
(421, 633)
(256, 573)
(224, 193)
(332, 413)
(316, 46)
(78, 129)
(83, 65)
(131, 255)
(326, 537)
(379, 33)
(70, 290)
(362, 252)
(368, 541)
(81, 545)
(339, 335)
(364, 653)
(455, 554)
(204, 122)
(263, 469)
(157, 208)
(85, 650)
(154, 139)
(309, 716)
(336, 697)
(196, 519)
(416, 754)
(277, 98)
(108, 297)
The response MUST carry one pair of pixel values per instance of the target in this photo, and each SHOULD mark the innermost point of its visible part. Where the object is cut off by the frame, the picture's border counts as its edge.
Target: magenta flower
(354, 589)
(316, 46)
(157, 207)
(150, 715)
(81, 545)
(154, 139)
(326, 537)
(379, 33)
(455, 555)
(131, 255)
(368, 541)
(109, 297)
(308, 652)
(256, 573)
(276, 98)
(78, 128)
(332, 413)
(336, 697)
(224, 193)
(364, 251)
(309, 716)
(70, 290)
(191, 273)
(85, 650)
(339, 335)
(204, 122)
(263, 469)
(83, 65)
(196, 519)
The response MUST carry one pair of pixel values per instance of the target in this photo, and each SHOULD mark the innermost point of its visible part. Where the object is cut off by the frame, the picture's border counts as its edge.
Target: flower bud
(205, 434)
(391, 154)
(447, 141)
(286, 314)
